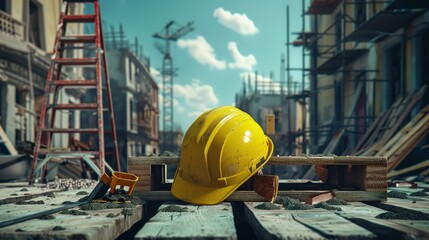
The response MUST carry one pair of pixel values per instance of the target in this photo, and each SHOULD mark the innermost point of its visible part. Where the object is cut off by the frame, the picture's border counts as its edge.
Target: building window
(35, 24)
(131, 114)
(5, 6)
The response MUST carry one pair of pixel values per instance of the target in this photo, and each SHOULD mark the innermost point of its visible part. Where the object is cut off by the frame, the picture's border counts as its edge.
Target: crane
(167, 73)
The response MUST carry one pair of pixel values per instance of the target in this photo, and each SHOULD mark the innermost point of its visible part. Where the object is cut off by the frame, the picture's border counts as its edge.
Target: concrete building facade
(27, 35)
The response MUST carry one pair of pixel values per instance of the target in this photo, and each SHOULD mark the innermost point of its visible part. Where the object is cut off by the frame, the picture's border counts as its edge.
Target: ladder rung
(66, 152)
(74, 106)
(79, 18)
(74, 82)
(78, 39)
(78, 47)
(71, 130)
(75, 61)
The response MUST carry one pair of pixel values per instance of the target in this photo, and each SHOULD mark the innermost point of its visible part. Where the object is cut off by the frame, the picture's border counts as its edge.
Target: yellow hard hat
(221, 150)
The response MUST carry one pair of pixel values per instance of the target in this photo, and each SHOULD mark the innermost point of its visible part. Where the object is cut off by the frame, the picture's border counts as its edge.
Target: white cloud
(202, 51)
(198, 97)
(155, 73)
(240, 61)
(238, 22)
(265, 84)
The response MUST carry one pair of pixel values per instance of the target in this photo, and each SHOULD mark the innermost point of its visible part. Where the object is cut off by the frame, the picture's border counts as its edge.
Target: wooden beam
(276, 224)
(251, 196)
(98, 224)
(174, 221)
(406, 170)
(278, 160)
(365, 215)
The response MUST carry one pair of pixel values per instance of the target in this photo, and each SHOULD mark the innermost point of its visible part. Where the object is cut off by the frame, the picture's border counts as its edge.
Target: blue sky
(231, 38)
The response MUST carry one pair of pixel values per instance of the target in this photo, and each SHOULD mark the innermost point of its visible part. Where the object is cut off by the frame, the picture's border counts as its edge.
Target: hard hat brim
(201, 195)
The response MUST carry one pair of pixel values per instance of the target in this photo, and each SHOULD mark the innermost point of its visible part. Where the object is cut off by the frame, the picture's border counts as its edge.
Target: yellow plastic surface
(221, 150)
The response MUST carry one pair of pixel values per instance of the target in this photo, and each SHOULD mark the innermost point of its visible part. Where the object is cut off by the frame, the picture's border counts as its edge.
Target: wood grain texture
(198, 222)
(95, 225)
(16, 194)
(365, 215)
(134, 162)
(330, 225)
(250, 196)
(276, 224)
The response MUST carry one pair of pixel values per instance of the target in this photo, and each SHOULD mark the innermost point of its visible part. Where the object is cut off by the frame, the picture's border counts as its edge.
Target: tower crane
(167, 73)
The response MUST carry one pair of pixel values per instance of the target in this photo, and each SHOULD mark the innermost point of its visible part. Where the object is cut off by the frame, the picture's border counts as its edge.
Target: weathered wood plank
(16, 194)
(250, 196)
(195, 222)
(95, 225)
(409, 204)
(279, 160)
(365, 215)
(330, 225)
(276, 224)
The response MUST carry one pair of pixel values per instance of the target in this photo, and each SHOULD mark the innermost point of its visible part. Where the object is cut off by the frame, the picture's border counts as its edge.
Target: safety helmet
(221, 150)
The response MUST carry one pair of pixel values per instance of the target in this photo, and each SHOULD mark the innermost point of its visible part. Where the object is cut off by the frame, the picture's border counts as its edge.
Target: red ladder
(54, 83)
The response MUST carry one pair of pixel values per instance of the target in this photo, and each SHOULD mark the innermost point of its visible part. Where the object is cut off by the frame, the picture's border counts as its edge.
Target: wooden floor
(228, 220)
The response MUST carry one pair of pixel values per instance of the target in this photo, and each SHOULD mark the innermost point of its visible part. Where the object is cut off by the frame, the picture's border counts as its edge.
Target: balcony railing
(11, 27)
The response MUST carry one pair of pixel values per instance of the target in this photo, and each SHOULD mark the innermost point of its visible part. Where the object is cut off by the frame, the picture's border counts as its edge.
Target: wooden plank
(276, 224)
(277, 160)
(365, 215)
(409, 169)
(194, 222)
(368, 133)
(406, 129)
(9, 146)
(16, 194)
(408, 204)
(250, 196)
(95, 225)
(331, 225)
(400, 115)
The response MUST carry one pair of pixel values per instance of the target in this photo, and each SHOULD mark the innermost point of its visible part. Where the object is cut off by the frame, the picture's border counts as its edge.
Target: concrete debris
(397, 194)
(127, 212)
(51, 195)
(82, 193)
(30, 202)
(174, 208)
(24, 190)
(73, 212)
(267, 205)
(337, 201)
(47, 217)
(404, 215)
(112, 215)
(327, 206)
(93, 206)
(58, 228)
(419, 194)
(70, 184)
(292, 204)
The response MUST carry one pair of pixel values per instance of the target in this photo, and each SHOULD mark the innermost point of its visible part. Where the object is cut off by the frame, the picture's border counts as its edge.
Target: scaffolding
(346, 48)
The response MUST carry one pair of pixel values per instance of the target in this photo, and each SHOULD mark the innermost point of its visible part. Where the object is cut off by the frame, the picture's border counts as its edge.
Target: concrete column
(9, 126)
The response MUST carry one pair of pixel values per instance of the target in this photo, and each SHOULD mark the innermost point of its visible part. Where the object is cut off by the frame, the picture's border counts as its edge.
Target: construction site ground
(405, 215)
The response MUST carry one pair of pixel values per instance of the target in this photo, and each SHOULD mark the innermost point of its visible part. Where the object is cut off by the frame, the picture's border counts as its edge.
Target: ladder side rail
(109, 99)
(99, 89)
